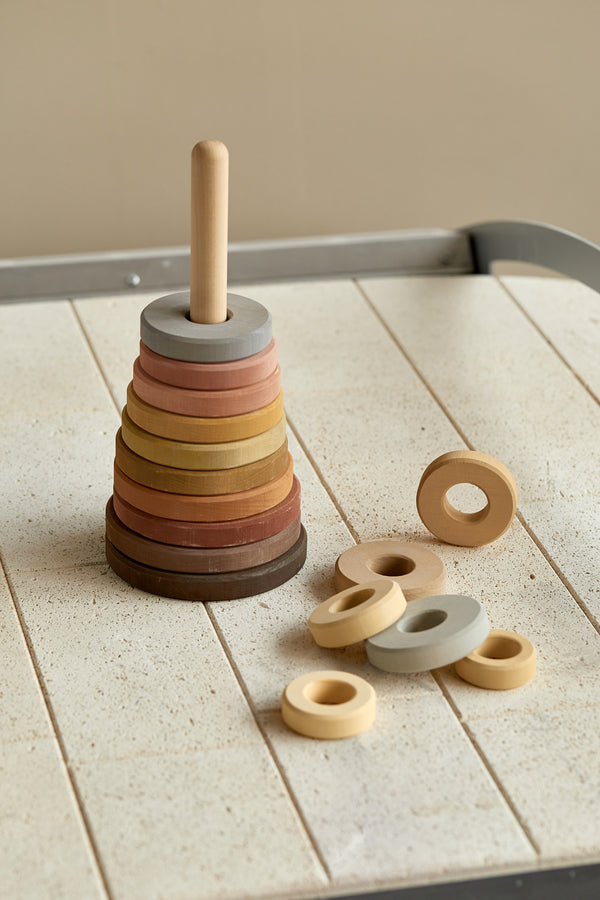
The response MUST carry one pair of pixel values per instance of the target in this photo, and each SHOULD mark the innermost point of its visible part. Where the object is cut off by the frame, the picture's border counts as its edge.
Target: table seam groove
(94, 355)
(87, 829)
(268, 744)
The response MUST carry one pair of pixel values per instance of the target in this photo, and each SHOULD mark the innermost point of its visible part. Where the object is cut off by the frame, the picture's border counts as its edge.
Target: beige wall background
(340, 115)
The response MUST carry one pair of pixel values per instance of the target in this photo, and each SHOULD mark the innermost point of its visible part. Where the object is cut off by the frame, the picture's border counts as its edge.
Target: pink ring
(223, 376)
(233, 402)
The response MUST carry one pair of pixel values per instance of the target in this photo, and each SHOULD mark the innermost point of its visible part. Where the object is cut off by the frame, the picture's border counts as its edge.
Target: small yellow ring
(357, 613)
(504, 661)
(328, 705)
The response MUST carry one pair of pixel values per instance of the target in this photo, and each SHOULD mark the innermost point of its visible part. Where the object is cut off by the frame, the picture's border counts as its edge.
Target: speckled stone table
(142, 752)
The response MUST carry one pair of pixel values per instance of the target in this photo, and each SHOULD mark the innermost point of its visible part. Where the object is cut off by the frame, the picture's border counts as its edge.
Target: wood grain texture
(215, 404)
(217, 508)
(196, 481)
(194, 559)
(202, 429)
(215, 376)
(213, 534)
(450, 524)
(224, 586)
(208, 245)
(186, 455)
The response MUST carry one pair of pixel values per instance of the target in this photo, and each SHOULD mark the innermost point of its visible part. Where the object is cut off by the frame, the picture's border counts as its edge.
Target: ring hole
(329, 692)
(352, 600)
(424, 621)
(467, 498)
(392, 566)
(499, 648)
(229, 316)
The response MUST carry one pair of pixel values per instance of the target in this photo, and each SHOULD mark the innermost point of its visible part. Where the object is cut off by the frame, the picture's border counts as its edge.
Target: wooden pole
(208, 250)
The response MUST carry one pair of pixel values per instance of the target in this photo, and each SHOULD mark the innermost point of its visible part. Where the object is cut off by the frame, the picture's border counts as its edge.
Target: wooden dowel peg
(208, 250)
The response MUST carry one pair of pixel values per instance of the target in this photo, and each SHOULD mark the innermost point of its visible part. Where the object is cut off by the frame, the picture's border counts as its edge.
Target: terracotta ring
(433, 632)
(328, 705)
(215, 508)
(166, 328)
(211, 534)
(224, 376)
(194, 559)
(187, 455)
(197, 481)
(417, 570)
(223, 586)
(215, 404)
(357, 613)
(202, 429)
(505, 660)
(450, 524)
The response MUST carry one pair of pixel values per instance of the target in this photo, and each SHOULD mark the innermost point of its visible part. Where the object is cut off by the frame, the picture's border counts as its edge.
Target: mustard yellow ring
(504, 661)
(328, 705)
(357, 613)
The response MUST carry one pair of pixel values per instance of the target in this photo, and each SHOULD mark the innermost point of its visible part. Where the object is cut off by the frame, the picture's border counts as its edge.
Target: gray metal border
(419, 252)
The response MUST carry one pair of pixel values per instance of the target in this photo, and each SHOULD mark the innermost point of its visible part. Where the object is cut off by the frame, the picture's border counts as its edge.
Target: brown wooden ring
(202, 429)
(197, 481)
(225, 586)
(193, 559)
(185, 455)
(204, 534)
(217, 508)
(417, 569)
(450, 524)
(224, 376)
(213, 404)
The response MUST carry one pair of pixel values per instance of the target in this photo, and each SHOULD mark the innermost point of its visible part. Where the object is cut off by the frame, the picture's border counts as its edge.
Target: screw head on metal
(133, 280)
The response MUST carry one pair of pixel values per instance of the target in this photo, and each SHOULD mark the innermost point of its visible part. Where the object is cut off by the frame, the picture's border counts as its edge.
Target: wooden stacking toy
(206, 505)
(328, 705)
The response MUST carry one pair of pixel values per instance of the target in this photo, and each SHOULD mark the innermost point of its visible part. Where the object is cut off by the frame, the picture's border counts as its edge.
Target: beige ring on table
(504, 661)
(213, 404)
(198, 481)
(223, 376)
(450, 524)
(357, 613)
(202, 429)
(328, 705)
(186, 455)
(417, 569)
(215, 508)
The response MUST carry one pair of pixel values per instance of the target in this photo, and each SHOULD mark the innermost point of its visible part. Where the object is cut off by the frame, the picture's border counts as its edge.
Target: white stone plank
(208, 824)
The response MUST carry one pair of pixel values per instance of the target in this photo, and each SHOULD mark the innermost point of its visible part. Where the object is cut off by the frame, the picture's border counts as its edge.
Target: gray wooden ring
(165, 327)
(433, 632)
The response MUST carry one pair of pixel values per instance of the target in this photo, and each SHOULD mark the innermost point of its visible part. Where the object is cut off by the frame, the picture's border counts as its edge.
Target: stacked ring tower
(206, 505)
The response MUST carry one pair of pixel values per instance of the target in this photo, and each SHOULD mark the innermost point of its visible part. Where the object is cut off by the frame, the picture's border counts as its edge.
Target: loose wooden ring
(224, 586)
(357, 613)
(196, 481)
(328, 705)
(214, 404)
(504, 661)
(186, 455)
(206, 429)
(212, 534)
(194, 559)
(210, 376)
(433, 632)
(450, 524)
(418, 571)
(218, 508)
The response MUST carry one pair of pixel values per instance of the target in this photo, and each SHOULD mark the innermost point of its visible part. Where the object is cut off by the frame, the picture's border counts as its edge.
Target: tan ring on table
(193, 559)
(504, 661)
(216, 508)
(186, 455)
(197, 481)
(328, 705)
(205, 429)
(417, 569)
(212, 534)
(213, 404)
(357, 613)
(450, 524)
(217, 376)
